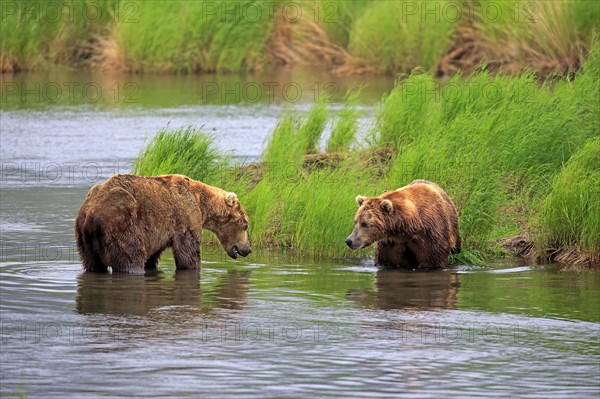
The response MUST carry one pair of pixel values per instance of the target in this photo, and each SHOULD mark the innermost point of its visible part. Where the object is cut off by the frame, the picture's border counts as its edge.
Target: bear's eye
(363, 224)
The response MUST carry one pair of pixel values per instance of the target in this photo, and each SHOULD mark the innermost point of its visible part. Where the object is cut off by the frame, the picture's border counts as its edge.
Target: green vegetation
(192, 36)
(162, 36)
(348, 35)
(346, 127)
(569, 217)
(184, 151)
(552, 33)
(36, 32)
(339, 16)
(493, 143)
(391, 38)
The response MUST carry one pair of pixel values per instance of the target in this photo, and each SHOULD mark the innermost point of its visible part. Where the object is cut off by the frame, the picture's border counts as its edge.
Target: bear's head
(369, 222)
(231, 227)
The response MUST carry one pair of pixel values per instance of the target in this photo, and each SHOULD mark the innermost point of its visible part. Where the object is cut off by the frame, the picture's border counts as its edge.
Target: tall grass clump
(346, 126)
(406, 111)
(37, 32)
(310, 132)
(294, 137)
(544, 33)
(276, 196)
(22, 39)
(193, 36)
(391, 38)
(185, 151)
(568, 218)
(339, 16)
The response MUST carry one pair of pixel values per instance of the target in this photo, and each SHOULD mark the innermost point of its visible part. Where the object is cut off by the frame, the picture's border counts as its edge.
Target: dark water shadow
(418, 290)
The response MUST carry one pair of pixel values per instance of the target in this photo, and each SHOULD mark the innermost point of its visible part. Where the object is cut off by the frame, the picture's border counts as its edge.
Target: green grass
(346, 127)
(389, 37)
(293, 137)
(157, 36)
(194, 36)
(338, 17)
(184, 151)
(386, 36)
(496, 144)
(570, 214)
(37, 32)
(540, 31)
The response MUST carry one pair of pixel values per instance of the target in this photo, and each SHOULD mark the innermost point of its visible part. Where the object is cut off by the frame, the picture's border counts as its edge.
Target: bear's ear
(360, 199)
(230, 198)
(386, 206)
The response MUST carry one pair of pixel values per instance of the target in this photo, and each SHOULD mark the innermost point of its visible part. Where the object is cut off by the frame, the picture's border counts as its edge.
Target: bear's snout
(241, 250)
(353, 244)
(245, 250)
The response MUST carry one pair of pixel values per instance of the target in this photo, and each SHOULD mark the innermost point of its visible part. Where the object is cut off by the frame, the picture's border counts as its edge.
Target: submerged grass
(497, 145)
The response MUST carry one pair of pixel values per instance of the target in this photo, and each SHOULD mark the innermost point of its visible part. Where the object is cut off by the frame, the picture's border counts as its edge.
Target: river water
(272, 324)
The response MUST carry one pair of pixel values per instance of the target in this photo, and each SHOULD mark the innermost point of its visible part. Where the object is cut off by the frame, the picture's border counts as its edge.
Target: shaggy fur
(128, 221)
(415, 226)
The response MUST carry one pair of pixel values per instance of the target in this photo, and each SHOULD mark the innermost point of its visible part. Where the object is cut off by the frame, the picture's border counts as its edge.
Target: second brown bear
(415, 226)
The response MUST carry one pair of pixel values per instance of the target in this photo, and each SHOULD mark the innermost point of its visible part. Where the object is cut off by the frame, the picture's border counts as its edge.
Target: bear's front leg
(391, 254)
(429, 253)
(186, 251)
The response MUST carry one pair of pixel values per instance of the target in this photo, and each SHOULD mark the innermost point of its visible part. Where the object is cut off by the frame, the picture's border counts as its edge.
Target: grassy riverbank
(518, 158)
(356, 36)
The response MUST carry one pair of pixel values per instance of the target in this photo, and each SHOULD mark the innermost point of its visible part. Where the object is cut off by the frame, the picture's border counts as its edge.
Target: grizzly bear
(415, 226)
(128, 221)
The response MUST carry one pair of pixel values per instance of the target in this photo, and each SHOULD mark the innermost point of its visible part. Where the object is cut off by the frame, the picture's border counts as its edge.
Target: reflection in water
(138, 295)
(232, 290)
(58, 87)
(122, 294)
(399, 289)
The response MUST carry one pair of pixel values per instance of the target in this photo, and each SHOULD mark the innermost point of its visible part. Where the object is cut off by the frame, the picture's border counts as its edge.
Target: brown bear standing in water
(128, 221)
(415, 226)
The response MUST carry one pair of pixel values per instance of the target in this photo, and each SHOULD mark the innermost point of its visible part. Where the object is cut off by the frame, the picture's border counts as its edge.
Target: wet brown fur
(419, 231)
(128, 221)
